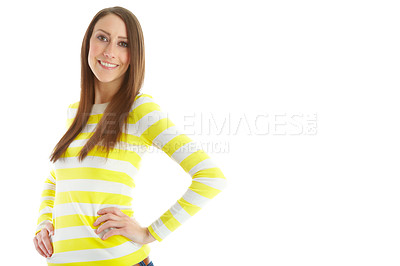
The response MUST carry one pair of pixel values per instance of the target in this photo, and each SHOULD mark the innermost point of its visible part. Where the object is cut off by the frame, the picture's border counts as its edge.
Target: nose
(109, 51)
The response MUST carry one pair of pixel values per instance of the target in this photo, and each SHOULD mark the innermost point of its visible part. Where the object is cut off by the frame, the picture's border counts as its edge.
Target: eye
(100, 37)
(124, 44)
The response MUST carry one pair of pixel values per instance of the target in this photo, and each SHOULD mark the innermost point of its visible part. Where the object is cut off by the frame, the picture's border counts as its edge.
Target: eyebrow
(110, 34)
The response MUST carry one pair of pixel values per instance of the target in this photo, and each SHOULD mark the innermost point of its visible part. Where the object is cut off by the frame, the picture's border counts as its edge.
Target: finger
(113, 210)
(112, 233)
(47, 243)
(38, 249)
(46, 231)
(106, 217)
(43, 248)
(109, 224)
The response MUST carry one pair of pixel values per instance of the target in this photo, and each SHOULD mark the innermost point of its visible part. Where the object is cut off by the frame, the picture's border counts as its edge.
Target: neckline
(98, 104)
(99, 107)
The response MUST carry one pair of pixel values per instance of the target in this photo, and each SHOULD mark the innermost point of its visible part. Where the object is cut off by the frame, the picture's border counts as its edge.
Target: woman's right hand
(43, 242)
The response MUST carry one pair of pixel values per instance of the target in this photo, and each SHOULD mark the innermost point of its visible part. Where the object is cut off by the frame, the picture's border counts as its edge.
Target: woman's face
(108, 52)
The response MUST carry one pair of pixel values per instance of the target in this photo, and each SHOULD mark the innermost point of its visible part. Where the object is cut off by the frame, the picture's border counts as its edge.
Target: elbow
(222, 183)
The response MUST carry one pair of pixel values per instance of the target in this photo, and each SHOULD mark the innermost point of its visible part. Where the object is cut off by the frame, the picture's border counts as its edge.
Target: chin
(106, 79)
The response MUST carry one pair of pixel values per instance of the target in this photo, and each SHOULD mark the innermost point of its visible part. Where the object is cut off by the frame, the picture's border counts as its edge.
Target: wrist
(150, 238)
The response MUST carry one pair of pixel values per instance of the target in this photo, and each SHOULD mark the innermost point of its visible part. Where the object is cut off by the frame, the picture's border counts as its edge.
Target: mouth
(107, 65)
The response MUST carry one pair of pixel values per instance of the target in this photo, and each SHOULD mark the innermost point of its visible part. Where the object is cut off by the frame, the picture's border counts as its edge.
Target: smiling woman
(86, 216)
(108, 55)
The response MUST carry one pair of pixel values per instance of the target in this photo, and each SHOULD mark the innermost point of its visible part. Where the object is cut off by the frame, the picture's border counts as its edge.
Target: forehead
(111, 23)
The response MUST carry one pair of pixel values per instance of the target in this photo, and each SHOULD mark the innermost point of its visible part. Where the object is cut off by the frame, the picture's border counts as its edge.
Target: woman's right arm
(45, 226)
(45, 220)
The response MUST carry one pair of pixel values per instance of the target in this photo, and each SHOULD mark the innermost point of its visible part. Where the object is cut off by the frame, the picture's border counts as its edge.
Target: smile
(107, 65)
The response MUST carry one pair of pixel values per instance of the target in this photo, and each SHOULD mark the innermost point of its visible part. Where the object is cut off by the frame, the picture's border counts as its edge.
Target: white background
(308, 88)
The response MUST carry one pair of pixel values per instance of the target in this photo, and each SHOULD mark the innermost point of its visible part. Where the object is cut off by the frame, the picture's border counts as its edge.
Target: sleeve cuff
(41, 226)
(154, 234)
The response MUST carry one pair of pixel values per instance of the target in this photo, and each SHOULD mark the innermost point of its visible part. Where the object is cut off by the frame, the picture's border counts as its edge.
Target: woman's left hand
(123, 224)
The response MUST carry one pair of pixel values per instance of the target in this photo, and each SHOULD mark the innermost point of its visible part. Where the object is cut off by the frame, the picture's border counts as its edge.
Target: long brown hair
(109, 128)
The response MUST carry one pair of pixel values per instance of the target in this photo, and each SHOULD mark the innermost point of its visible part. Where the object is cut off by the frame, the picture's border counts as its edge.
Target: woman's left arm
(207, 178)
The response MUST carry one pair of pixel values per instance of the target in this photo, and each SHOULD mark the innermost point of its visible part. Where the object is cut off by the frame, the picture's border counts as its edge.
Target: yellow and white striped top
(74, 191)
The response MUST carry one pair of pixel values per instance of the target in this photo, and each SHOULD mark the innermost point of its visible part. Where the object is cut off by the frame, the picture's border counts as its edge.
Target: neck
(104, 91)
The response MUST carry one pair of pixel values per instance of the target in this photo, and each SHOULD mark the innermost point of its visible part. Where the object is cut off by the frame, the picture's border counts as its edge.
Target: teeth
(106, 64)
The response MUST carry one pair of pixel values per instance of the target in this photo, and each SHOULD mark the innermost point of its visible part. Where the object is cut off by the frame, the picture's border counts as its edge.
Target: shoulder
(72, 109)
(144, 103)
(74, 105)
(143, 98)
(145, 106)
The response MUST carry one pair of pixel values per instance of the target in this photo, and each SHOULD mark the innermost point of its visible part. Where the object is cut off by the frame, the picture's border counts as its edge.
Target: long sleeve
(207, 178)
(47, 201)
(49, 190)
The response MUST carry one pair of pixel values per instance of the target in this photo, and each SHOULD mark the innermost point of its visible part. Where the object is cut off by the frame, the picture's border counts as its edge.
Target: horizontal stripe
(44, 217)
(46, 209)
(204, 190)
(169, 221)
(52, 176)
(179, 213)
(217, 183)
(193, 159)
(133, 129)
(94, 186)
(213, 172)
(206, 164)
(195, 198)
(50, 186)
(46, 202)
(142, 110)
(94, 255)
(175, 144)
(188, 207)
(49, 200)
(98, 151)
(67, 221)
(157, 128)
(160, 229)
(139, 149)
(74, 232)
(145, 124)
(97, 162)
(88, 243)
(87, 209)
(92, 197)
(186, 150)
(94, 119)
(95, 174)
(48, 193)
(166, 136)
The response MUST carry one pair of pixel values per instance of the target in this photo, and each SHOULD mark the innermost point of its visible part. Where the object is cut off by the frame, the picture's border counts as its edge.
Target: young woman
(86, 216)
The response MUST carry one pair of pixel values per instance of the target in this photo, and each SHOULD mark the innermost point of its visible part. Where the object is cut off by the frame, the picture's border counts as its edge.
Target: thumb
(50, 228)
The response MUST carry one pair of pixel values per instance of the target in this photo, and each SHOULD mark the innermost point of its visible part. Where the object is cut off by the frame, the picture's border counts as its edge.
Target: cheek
(126, 59)
(94, 50)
